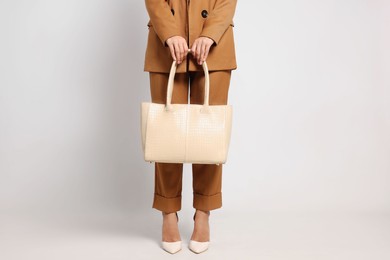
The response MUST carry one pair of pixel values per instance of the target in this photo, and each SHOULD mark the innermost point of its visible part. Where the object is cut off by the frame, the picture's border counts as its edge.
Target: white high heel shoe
(172, 247)
(196, 246)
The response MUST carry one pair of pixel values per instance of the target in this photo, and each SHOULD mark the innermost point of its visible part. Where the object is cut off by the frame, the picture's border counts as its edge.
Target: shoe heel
(172, 247)
(196, 246)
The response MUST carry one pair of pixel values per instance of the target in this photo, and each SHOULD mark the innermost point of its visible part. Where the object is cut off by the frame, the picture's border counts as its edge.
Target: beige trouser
(206, 178)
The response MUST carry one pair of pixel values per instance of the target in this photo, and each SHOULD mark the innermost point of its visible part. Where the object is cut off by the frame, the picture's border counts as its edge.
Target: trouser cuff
(165, 204)
(207, 202)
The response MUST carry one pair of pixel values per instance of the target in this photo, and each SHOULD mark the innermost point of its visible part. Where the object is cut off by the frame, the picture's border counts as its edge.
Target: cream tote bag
(186, 133)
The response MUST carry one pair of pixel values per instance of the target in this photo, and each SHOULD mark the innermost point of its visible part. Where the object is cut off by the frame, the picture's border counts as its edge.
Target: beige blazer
(190, 19)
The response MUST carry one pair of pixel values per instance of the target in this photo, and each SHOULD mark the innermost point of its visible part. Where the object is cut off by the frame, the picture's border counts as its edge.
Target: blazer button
(173, 11)
(204, 13)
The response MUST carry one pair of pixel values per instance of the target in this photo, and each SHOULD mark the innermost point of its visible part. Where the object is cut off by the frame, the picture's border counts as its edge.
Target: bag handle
(171, 80)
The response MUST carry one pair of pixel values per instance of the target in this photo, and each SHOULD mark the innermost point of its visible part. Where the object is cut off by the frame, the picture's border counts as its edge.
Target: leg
(168, 176)
(206, 183)
(207, 178)
(167, 186)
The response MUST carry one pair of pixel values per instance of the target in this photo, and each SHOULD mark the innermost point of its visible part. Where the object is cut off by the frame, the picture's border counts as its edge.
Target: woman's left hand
(200, 49)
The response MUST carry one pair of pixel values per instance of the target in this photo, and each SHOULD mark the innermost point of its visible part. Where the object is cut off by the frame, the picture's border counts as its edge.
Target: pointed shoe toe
(171, 247)
(198, 247)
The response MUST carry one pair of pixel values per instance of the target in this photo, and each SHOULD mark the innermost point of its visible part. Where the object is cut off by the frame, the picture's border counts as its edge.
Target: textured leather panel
(185, 133)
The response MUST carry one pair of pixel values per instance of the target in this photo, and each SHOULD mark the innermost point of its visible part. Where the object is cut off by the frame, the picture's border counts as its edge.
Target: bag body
(186, 133)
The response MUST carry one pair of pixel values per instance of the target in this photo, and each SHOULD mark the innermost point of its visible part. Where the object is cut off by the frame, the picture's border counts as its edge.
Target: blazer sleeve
(162, 19)
(219, 19)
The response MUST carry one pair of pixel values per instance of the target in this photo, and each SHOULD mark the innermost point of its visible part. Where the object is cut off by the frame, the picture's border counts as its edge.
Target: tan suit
(190, 19)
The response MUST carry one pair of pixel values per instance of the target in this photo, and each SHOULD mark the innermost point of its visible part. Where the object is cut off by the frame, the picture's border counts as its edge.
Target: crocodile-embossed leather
(186, 133)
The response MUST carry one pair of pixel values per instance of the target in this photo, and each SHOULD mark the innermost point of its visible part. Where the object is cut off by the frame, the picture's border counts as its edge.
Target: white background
(311, 99)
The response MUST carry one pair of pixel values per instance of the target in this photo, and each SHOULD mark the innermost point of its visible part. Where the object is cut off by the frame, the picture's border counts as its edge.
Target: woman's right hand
(178, 47)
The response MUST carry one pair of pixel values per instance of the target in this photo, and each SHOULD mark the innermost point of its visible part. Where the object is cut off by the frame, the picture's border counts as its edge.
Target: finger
(193, 48)
(181, 51)
(177, 52)
(205, 52)
(172, 51)
(198, 50)
(202, 50)
(185, 47)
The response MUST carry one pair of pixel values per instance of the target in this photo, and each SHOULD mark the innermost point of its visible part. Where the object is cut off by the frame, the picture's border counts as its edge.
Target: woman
(189, 32)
